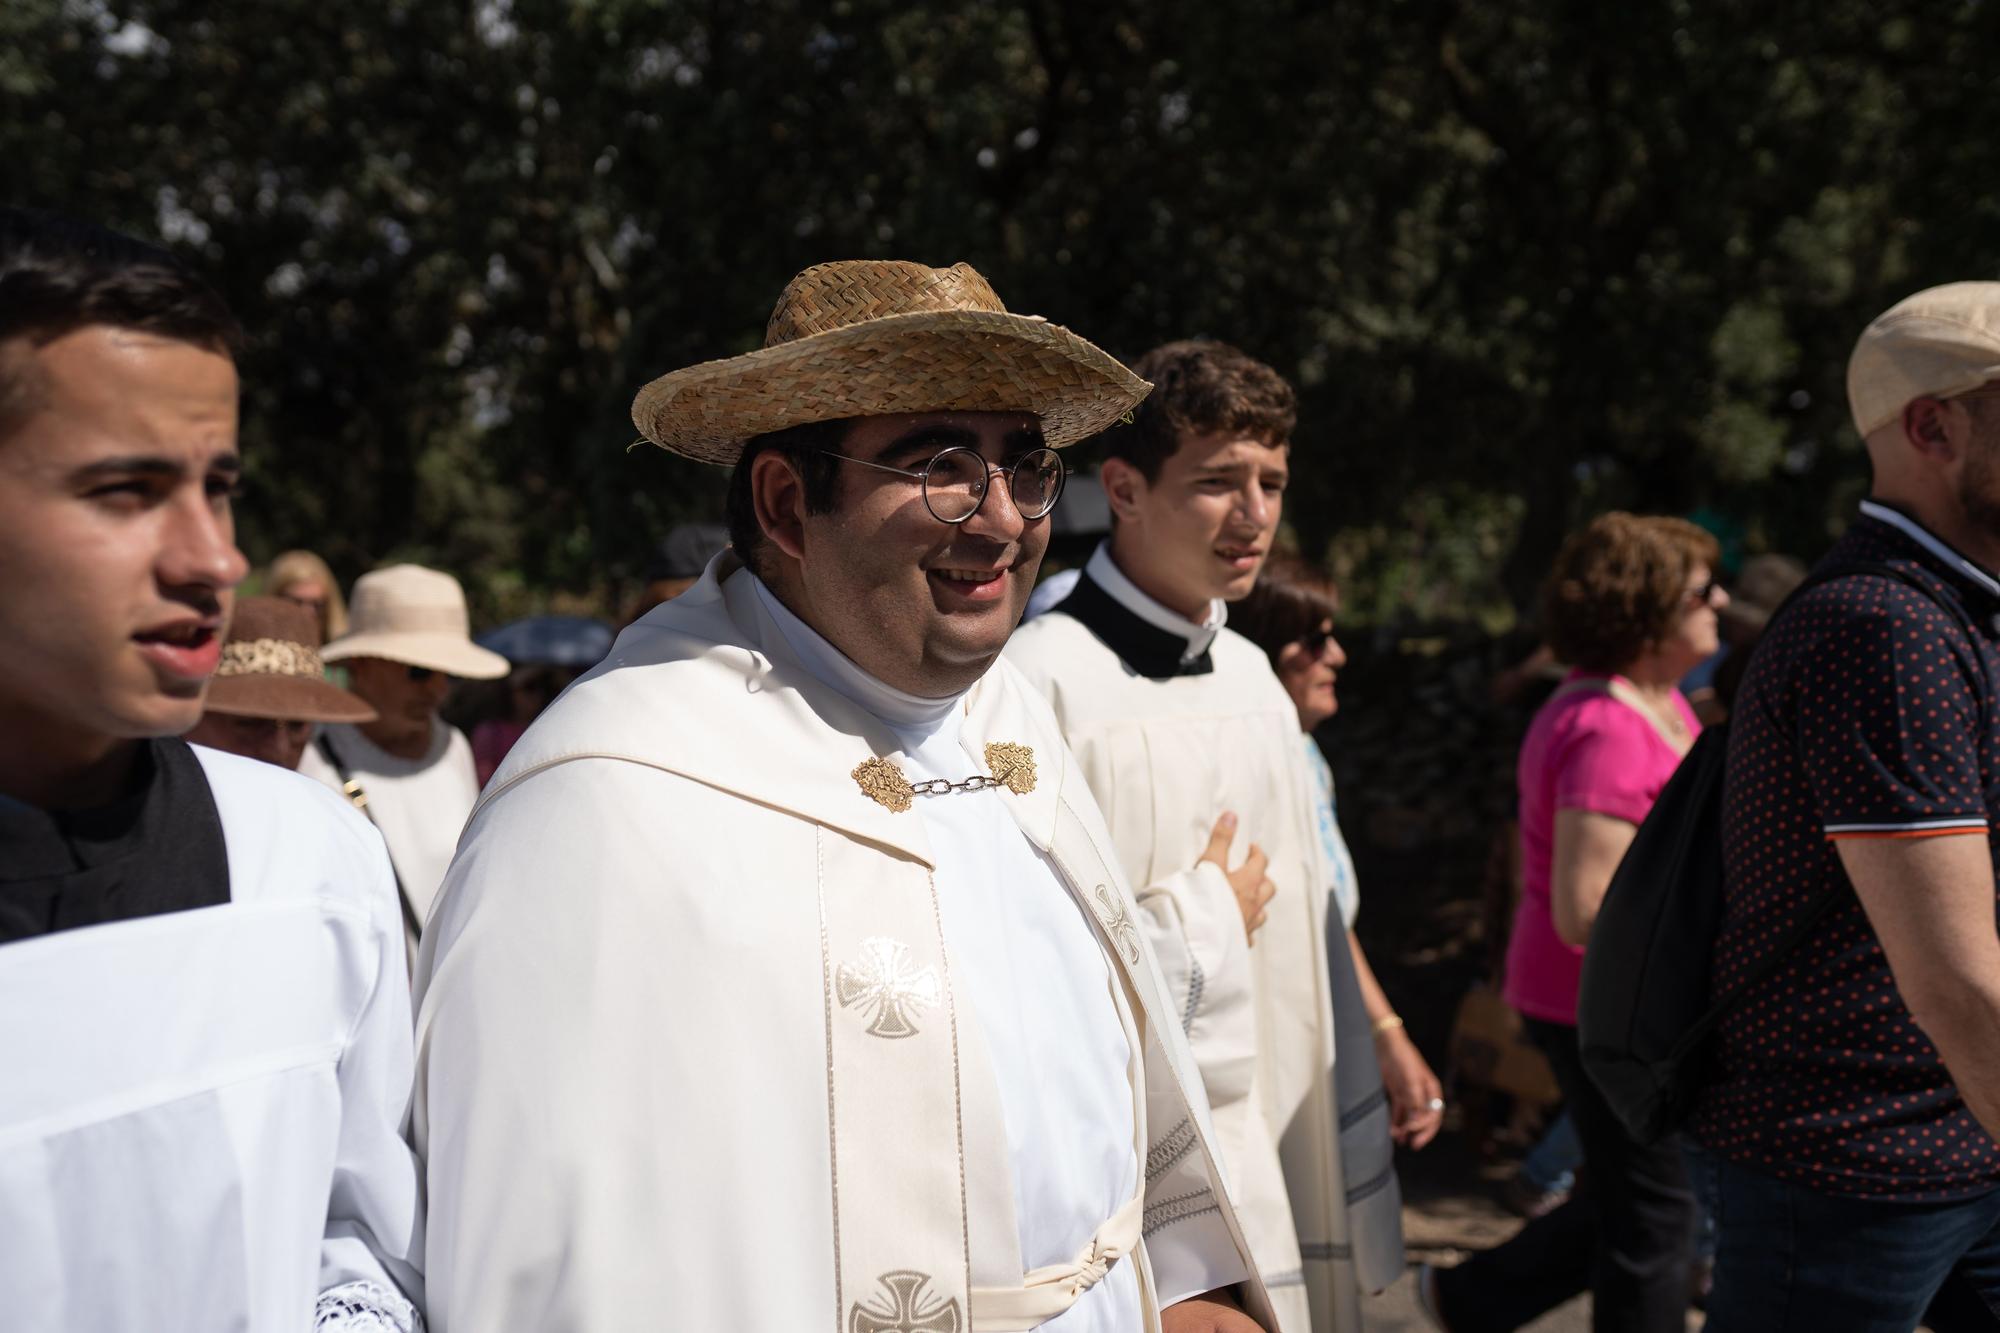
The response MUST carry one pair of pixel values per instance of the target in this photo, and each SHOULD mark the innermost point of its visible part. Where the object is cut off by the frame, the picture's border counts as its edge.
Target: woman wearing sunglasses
(1289, 614)
(408, 770)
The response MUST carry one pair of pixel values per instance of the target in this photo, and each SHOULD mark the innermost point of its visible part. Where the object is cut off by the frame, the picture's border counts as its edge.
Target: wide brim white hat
(415, 616)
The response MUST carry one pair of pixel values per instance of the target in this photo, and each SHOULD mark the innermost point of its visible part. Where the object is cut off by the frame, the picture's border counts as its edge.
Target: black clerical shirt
(158, 848)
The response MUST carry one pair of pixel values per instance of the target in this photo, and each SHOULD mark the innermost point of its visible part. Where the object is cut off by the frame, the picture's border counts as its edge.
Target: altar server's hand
(1217, 1312)
(1253, 890)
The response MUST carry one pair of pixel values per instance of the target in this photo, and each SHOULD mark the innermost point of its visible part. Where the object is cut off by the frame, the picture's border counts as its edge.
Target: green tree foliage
(1523, 261)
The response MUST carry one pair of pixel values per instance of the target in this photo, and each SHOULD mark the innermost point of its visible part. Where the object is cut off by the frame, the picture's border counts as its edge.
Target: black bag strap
(1831, 896)
(357, 796)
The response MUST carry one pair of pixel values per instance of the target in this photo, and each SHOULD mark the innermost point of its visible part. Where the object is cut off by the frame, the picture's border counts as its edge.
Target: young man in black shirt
(203, 1019)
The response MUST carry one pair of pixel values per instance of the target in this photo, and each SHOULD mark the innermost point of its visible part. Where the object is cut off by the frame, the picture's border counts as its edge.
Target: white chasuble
(710, 1036)
(1038, 994)
(1212, 730)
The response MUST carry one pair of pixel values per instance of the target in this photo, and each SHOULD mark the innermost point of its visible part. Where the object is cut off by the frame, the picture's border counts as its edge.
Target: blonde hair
(305, 567)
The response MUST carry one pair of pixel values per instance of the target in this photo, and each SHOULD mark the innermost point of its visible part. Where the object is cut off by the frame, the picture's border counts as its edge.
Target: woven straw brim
(934, 361)
(439, 652)
(291, 698)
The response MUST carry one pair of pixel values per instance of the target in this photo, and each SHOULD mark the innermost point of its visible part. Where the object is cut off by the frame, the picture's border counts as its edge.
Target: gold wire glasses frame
(955, 481)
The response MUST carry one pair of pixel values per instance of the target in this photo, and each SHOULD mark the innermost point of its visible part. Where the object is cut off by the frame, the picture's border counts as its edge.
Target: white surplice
(1165, 754)
(629, 1032)
(200, 1110)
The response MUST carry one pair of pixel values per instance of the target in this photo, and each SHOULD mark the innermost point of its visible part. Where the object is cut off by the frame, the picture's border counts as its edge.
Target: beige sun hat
(416, 616)
(1941, 342)
(869, 337)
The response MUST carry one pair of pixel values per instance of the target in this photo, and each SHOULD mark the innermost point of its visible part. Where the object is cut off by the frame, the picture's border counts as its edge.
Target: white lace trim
(365, 1307)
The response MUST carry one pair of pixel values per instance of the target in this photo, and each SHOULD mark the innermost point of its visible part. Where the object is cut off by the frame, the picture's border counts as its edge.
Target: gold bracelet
(1386, 1023)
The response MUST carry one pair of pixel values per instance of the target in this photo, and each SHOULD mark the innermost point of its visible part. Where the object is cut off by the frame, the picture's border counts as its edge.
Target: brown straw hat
(271, 668)
(869, 337)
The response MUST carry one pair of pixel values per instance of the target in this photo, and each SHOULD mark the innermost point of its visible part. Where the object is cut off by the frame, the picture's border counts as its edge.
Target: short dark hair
(1291, 599)
(58, 275)
(1619, 586)
(1201, 386)
(806, 448)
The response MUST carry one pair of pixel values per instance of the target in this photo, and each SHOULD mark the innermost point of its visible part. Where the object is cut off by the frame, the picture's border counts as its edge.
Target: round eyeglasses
(955, 481)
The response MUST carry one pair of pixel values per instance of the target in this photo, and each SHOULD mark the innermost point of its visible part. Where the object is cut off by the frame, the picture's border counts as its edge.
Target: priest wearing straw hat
(785, 977)
(270, 687)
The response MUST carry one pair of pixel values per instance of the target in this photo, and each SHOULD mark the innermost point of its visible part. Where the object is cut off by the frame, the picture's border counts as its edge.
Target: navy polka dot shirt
(1860, 717)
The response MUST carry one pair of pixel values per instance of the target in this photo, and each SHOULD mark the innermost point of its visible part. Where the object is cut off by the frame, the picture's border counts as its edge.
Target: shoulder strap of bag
(357, 796)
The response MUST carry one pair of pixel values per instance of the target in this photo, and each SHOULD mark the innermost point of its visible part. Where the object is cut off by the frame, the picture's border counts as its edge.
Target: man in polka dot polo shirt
(1856, 1095)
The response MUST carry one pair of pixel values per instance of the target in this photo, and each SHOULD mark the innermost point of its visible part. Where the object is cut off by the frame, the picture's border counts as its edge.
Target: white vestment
(200, 1112)
(1166, 754)
(651, 979)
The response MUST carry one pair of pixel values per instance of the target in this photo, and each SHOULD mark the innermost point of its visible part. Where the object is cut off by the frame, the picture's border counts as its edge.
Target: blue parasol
(570, 641)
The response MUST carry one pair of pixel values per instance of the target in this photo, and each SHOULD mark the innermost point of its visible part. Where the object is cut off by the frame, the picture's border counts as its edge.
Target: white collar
(1936, 545)
(838, 672)
(1104, 572)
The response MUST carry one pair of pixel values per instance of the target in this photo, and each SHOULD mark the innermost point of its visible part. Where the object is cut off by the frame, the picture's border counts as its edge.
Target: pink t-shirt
(1584, 751)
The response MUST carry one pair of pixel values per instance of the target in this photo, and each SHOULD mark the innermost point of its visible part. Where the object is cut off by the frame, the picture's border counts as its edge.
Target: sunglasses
(1705, 594)
(420, 675)
(1314, 641)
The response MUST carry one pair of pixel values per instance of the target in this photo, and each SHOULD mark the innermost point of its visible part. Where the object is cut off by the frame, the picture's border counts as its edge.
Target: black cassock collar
(1152, 652)
(158, 848)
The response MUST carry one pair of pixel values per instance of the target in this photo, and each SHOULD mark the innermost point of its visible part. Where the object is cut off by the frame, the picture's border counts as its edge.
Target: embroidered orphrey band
(269, 657)
(890, 991)
(905, 1305)
(883, 783)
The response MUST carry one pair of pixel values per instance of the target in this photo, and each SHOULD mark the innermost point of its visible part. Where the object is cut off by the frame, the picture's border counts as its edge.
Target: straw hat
(868, 337)
(416, 616)
(271, 668)
(1939, 343)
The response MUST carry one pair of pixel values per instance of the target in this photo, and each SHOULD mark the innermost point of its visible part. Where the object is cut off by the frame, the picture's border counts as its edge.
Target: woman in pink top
(1632, 604)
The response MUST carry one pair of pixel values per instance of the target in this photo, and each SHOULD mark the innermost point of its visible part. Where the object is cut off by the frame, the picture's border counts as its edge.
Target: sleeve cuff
(365, 1307)
(1193, 1253)
(1932, 827)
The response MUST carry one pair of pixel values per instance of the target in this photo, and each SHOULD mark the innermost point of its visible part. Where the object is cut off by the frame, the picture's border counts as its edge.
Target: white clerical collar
(1104, 572)
(1931, 542)
(838, 672)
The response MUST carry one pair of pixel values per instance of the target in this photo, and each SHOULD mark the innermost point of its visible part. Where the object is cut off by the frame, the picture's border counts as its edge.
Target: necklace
(1666, 719)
